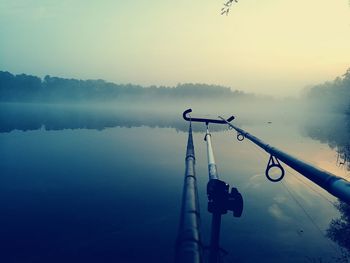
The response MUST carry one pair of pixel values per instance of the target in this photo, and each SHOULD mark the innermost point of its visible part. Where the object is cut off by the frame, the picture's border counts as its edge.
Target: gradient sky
(271, 46)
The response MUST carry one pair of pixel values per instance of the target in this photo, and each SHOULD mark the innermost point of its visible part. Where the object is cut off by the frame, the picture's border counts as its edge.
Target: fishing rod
(220, 199)
(189, 247)
(188, 244)
(335, 185)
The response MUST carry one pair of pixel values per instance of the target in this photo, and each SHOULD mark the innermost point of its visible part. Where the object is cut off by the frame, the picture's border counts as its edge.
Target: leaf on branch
(227, 5)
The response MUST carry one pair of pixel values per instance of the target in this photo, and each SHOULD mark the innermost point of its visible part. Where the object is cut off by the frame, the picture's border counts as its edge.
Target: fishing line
(262, 156)
(298, 179)
(218, 191)
(334, 247)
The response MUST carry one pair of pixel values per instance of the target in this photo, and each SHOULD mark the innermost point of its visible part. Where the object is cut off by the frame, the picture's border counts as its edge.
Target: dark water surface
(112, 193)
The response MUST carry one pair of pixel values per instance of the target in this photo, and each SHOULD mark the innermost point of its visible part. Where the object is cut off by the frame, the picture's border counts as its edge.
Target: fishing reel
(220, 200)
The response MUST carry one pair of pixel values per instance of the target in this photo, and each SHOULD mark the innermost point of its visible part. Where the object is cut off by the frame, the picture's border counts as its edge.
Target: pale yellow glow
(271, 46)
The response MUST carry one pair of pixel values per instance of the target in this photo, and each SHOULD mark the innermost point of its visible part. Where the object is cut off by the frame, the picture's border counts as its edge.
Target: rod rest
(190, 119)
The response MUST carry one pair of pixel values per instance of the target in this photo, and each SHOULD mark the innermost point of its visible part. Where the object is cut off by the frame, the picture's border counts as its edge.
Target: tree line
(28, 88)
(333, 96)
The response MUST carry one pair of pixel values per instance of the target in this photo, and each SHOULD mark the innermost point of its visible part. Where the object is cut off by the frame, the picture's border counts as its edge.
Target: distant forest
(331, 96)
(331, 123)
(27, 88)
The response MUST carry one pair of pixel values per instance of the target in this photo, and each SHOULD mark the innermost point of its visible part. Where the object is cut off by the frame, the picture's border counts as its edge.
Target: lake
(94, 185)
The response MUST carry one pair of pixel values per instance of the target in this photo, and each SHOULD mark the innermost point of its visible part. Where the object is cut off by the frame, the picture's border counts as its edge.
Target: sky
(274, 47)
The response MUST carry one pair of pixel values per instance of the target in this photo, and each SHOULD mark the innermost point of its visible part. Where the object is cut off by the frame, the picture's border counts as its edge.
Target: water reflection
(70, 193)
(333, 129)
(58, 117)
(339, 230)
(27, 117)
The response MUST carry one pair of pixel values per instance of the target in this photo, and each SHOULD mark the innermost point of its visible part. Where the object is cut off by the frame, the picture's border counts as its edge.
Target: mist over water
(92, 139)
(168, 113)
(93, 172)
(102, 182)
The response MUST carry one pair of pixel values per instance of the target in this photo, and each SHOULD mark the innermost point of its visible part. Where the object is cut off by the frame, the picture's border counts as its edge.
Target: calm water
(97, 188)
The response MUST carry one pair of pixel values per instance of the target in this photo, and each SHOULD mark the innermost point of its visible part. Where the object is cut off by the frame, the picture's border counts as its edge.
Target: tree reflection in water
(343, 158)
(334, 129)
(339, 230)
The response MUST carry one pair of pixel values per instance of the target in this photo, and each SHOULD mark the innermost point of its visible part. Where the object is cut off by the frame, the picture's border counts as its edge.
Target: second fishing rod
(220, 198)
